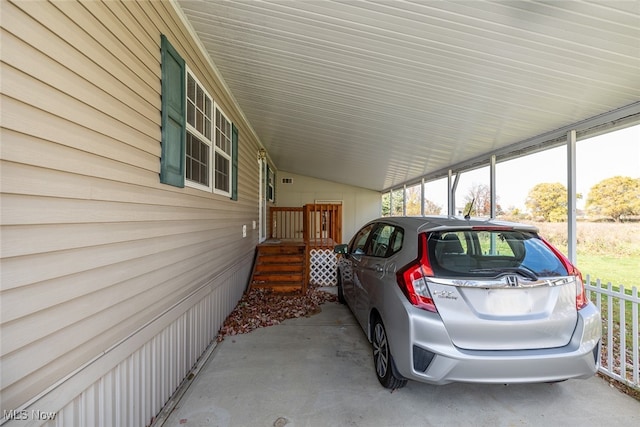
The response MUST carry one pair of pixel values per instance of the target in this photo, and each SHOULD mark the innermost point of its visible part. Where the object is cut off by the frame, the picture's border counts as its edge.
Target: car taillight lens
(581, 293)
(412, 278)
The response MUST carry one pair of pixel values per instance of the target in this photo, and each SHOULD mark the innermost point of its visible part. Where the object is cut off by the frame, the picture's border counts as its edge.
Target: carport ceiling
(375, 94)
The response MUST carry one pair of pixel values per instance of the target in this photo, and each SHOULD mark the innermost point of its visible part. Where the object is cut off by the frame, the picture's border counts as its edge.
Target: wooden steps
(280, 267)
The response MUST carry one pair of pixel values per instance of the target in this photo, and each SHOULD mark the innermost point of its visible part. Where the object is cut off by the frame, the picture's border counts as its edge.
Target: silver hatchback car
(445, 299)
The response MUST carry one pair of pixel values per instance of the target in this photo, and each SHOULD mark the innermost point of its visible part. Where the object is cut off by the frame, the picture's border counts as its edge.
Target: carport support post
(492, 186)
(452, 192)
(492, 196)
(404, 200)
(571, 195)
(422, 197)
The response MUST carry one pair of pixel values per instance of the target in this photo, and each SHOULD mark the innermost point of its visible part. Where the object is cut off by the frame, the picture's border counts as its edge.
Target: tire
(382, 359)
(341, 299)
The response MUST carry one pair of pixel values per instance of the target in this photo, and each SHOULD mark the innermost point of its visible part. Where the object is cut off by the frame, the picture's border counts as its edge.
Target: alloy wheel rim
(380, 350)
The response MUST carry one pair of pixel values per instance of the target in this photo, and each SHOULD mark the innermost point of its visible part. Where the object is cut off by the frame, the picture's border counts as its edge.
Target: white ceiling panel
(377, 93)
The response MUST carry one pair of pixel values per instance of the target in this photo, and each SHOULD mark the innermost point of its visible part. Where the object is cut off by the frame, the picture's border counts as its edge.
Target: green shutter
(173, 116)
(234, 162)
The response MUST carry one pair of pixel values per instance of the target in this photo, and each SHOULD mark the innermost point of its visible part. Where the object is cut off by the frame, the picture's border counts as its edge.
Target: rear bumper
(428, 355)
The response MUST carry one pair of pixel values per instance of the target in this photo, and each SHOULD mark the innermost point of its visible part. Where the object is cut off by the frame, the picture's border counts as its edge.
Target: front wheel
(382, 359)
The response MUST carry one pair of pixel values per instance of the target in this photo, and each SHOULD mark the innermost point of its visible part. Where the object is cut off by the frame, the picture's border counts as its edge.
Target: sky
(612, 154)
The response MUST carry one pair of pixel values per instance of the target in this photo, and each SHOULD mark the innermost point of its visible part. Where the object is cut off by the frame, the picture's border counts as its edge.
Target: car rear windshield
(490, 253)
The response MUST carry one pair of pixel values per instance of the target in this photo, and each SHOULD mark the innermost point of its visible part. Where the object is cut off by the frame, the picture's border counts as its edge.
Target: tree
(413, 203)
(615, 197)
(480, 195)
(397, 203)
(413, 200)
(431, 208)
(514, 213)
(548, 201)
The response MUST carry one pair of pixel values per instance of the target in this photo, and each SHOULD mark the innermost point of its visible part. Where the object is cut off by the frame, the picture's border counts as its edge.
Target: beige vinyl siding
(94, 249)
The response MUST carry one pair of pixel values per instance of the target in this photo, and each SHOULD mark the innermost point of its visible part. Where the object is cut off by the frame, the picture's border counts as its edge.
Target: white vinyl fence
(620, 358)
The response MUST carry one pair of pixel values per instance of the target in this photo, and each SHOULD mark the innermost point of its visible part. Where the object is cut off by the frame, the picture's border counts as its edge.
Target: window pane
(200, 98)
(222, 152)
(380, 241)
(223, 133)
(397, 242)
(199, 133)
(218, 138)
(222, 173)
(191, 88)
(207, 128)
(197, 160)
(484, 254)
(195, 168)
(199, 108)
(188, 171)
(200, 123)
(191, 113)
(357, 245)
(204, 175)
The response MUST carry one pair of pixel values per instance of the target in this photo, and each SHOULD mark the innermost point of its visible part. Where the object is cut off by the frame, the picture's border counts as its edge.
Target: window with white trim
(199, 142)
(208, 151)
(222, 153)
(199, 134)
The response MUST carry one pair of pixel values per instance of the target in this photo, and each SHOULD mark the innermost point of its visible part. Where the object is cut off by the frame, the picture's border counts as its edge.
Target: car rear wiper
(501, 271)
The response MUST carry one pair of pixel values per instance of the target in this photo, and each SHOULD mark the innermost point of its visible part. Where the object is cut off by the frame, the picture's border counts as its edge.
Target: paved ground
(317, 371)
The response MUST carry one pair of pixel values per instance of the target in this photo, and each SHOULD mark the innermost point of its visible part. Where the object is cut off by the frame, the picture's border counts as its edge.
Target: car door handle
(378, 268)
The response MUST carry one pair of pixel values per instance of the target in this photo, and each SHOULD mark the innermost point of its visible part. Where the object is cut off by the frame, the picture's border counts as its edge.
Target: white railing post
(627, 372)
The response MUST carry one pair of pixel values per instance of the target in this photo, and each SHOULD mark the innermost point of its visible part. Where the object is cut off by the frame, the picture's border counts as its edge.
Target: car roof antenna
(468, 215)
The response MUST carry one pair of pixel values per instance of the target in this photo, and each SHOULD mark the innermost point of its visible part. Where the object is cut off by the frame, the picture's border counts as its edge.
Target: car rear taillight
(412, 278)
(581, 293)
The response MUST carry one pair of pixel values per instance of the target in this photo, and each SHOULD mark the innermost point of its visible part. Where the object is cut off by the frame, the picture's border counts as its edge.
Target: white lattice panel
(323, 267)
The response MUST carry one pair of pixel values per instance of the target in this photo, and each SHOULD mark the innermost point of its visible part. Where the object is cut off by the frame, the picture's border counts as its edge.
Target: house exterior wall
(359, 205)
(112, 284)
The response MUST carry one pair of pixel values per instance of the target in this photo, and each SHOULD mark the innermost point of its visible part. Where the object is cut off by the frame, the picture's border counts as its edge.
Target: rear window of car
(490, 253)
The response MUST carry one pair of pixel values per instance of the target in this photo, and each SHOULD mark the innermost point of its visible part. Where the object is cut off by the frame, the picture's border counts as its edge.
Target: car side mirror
(341, 249)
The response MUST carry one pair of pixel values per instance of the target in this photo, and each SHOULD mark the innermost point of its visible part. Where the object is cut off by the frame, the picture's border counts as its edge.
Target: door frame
(262, 200)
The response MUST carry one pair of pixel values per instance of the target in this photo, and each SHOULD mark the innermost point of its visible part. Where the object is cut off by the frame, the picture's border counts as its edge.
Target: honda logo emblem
(512, 281)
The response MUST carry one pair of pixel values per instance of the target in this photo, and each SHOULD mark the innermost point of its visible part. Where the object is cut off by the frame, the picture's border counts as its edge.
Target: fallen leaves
(616, 364)
(259, 308)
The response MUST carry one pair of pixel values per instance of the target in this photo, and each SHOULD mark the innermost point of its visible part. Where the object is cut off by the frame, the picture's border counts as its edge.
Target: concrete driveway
(318, 371)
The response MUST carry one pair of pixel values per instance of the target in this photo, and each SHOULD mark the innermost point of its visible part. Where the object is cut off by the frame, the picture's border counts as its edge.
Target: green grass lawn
(606, 251)
(619, 271)
(609, 252)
